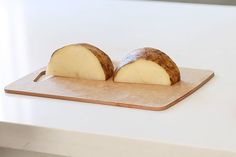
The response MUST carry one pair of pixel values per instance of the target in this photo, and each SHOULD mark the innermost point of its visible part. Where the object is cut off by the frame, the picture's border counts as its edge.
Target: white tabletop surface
(196, 36)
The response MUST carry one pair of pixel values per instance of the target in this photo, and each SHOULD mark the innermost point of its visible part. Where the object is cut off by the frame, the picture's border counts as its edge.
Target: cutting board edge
(8, 89)
(110, 103)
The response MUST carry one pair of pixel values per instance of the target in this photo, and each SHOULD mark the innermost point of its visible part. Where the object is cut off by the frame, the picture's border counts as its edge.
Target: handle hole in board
(42, 77)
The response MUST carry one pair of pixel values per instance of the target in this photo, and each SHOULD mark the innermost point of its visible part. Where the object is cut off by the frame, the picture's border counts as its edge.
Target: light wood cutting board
(141, 96)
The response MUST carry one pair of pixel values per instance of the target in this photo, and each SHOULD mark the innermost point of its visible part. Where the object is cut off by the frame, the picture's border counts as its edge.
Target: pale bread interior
(143, 71)
(75, 61)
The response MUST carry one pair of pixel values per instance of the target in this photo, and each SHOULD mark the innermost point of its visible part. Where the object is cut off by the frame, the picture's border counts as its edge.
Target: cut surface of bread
(147, 66)
(80, 61)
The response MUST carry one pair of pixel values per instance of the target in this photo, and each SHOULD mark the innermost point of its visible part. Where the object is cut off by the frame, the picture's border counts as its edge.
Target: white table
(197, 36)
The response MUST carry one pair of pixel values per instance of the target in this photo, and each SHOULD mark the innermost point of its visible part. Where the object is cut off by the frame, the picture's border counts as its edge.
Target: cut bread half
(83, 61)
(147, 66)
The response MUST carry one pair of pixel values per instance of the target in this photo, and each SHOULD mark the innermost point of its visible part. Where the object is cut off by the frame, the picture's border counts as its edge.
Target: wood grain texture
(140, 96)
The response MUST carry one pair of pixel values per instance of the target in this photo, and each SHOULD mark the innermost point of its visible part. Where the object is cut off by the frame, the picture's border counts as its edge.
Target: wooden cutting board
(141, 96)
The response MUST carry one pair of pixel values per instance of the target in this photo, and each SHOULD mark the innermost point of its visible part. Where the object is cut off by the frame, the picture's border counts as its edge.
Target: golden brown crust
(156, 56)
(103, 58)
